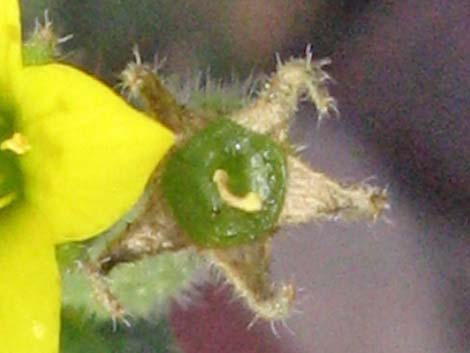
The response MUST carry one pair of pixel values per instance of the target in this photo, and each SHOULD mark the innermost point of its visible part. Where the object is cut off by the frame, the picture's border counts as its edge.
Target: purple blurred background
(403, 78)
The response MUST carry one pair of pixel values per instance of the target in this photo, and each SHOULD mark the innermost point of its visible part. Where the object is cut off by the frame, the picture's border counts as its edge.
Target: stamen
(7, 199)
(17, 143)
(251, 202)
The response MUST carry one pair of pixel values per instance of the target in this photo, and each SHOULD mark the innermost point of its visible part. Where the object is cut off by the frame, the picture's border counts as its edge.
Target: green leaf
(81, 333)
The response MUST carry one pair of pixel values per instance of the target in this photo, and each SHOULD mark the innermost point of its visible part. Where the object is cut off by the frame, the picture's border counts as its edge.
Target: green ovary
(226, 185)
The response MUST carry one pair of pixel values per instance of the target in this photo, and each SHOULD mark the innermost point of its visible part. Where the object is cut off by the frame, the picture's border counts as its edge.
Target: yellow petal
(10, 51)
(29, 285)
(91, 154)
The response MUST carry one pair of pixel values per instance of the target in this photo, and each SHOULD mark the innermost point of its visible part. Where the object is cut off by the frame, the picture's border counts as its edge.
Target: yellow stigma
(7, 199)
(17, 143)
(251, 202)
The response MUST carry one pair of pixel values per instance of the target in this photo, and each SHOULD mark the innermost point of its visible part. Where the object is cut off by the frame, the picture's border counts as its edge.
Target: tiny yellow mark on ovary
(250, 202)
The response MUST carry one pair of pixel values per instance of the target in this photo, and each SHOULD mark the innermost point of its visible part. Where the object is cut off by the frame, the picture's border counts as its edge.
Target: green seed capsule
(226, 185)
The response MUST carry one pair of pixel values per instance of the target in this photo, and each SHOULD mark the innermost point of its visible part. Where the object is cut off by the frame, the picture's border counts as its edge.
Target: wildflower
(73, 159)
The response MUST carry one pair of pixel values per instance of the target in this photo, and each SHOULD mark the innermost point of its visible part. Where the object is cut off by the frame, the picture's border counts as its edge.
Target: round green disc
(253, 162)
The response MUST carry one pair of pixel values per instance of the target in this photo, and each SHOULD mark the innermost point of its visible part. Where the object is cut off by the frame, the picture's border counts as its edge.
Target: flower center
(11, 178)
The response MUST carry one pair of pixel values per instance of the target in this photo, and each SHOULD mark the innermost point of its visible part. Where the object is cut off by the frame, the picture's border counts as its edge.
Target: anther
(7, 199)
(17, 143)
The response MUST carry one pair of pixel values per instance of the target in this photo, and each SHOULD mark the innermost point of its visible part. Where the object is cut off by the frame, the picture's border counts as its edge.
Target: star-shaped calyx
(233, 180)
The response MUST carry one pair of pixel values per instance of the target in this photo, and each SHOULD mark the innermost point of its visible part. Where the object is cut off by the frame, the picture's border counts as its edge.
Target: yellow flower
(73, 158)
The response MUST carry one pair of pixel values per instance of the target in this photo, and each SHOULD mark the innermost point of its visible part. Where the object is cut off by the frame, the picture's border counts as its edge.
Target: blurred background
(403, 82)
